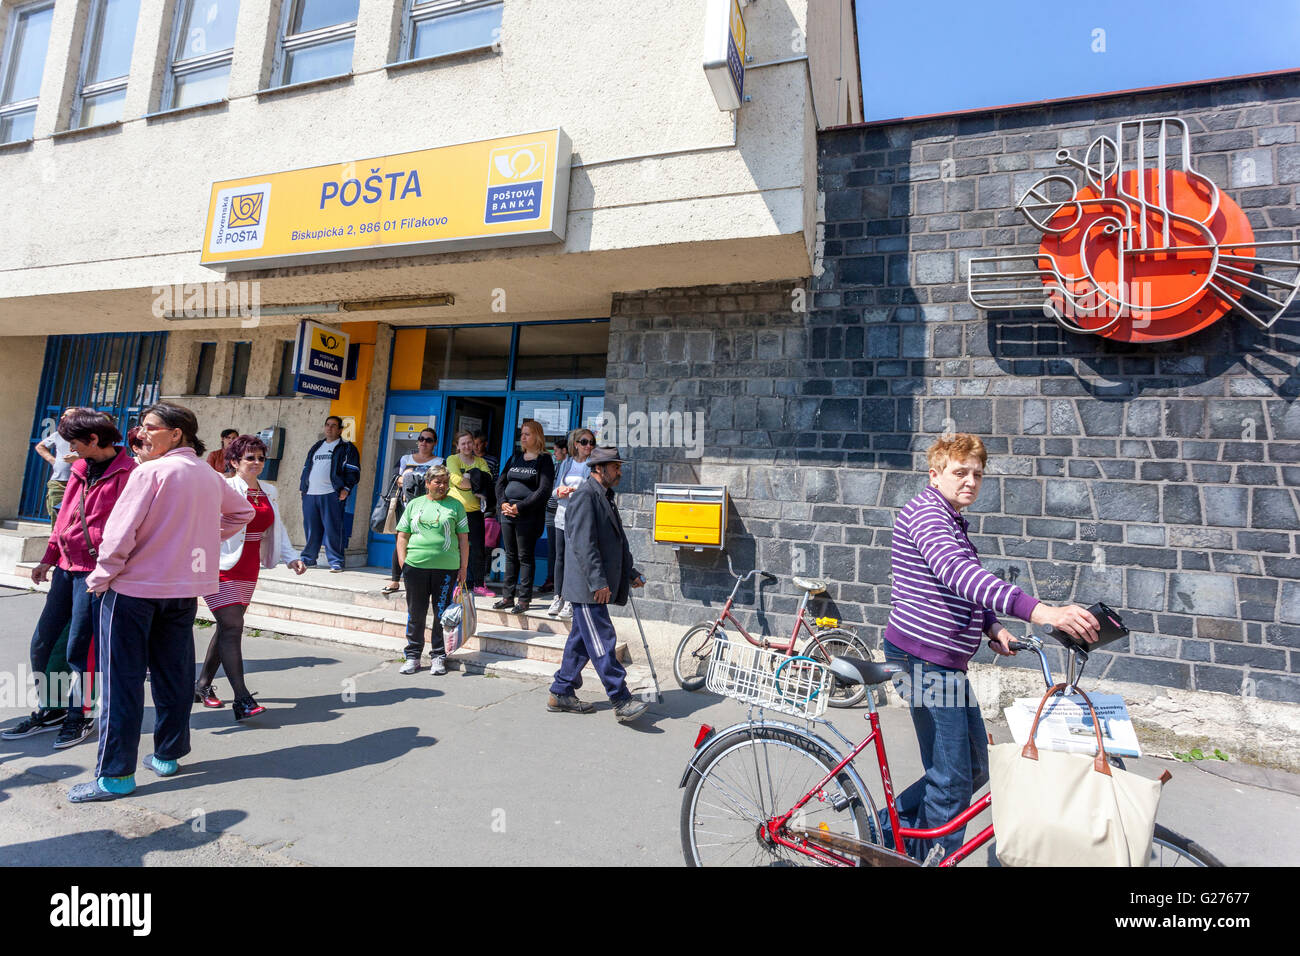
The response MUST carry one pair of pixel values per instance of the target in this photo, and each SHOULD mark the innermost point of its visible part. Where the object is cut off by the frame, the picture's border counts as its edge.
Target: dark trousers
(591, 638)
(954, 748)
(519, 539)
(476, 573)
(559, 560)
(322, 516)
(550, 549)
(67, 605)
(425, 585)
(139, 634)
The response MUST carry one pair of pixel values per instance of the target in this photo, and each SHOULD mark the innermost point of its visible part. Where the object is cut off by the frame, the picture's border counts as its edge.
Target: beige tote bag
(1069, 809)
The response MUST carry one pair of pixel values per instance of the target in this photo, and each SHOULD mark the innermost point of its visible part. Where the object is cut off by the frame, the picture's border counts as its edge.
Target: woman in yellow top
(461, 465)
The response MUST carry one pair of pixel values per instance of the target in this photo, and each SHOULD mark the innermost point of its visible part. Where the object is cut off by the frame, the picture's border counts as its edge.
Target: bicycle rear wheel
(1173, 849)
(745, 779)
(833, 643)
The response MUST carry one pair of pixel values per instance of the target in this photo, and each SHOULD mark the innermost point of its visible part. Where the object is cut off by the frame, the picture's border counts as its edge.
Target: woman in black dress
(522, 491)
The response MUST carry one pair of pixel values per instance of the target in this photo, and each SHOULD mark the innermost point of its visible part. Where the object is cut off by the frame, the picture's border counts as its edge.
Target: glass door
(405, 416)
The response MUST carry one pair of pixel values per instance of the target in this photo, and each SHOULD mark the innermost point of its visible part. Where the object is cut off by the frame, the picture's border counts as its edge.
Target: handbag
(491, 532)
(390, 522)
(459, 620)
(1069, 809)
(379, 516)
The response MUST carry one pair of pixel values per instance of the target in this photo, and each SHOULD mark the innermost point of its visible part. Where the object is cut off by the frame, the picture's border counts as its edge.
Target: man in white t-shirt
(332, 470)
(60, 455)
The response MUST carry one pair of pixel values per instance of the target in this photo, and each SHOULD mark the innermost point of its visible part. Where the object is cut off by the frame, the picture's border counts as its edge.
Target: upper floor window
(105, 62)
(438, 27)
(316, 40)
(202, 48)
(21, 69)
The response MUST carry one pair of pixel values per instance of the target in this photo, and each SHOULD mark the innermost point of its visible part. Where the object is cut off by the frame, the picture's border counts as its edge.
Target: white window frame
(195, 64)
(105, 86)
(301, 41)
(8, 110)
(415, 12)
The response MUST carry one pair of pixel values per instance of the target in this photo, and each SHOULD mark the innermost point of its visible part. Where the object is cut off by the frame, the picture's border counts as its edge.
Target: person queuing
(159, 553)
(331, 471)
(597, 572)
(522, 489)
(569, 475)
(217, 457)
(472, 486)
(55, 449)
(433, 543)
(943, 603)
(408, 484)
(262, 543)
(95, 483)
(481, 450)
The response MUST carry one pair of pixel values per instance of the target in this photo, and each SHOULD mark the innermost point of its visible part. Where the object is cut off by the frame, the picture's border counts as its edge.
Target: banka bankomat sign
(321, 358)
(508, 191)
(1145, 249)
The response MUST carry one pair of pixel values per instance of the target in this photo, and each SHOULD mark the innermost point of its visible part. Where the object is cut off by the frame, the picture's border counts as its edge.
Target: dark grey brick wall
(1160, 478)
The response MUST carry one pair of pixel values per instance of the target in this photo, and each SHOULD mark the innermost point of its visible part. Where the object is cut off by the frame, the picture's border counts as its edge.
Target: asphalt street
(355, 764)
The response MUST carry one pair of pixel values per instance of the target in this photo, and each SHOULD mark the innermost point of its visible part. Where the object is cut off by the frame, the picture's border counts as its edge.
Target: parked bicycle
(772, 792)
(826, 640)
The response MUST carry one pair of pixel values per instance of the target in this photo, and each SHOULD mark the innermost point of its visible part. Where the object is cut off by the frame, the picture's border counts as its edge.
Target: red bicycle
(826, 641)
(771, 792)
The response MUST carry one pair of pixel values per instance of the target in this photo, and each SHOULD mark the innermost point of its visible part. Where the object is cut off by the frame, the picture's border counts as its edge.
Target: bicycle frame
(801, 621)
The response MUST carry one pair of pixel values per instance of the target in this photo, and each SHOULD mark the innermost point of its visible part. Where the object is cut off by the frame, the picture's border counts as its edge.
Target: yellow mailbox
(693, 516)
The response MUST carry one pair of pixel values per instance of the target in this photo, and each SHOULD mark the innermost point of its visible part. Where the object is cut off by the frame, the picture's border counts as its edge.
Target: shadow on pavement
(302, 710)
(109, 848)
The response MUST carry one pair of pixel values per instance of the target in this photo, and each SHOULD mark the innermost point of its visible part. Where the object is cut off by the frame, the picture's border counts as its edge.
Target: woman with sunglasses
(263, 543)
(408, 484)
(569, 474)
(160, 552)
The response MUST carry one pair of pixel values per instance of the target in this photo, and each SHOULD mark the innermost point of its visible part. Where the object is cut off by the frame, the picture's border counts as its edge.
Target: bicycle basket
(791, 685)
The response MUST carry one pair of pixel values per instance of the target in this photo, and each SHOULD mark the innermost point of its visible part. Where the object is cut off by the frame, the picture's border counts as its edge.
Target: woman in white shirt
(263, 543)
(409, 485)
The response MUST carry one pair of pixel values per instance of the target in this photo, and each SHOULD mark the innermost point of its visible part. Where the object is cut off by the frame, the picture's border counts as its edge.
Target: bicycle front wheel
(691, 661)
(745, 779)
(1173, 849)
(837, 642)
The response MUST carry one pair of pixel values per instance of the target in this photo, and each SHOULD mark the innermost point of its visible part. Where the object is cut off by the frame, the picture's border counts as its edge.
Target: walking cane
(659, 698)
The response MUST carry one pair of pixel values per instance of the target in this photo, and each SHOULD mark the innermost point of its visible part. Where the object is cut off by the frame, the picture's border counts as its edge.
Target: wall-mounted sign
(321, 357)
(724, 52)
(509, 191)
(1145, 250)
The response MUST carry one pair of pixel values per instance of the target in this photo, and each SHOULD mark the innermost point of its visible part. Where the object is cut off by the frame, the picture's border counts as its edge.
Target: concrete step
(25, 526)
(509, 642)
(19, 547)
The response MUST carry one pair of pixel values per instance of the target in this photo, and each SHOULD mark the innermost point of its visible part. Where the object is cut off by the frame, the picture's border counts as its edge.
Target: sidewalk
(356, 764)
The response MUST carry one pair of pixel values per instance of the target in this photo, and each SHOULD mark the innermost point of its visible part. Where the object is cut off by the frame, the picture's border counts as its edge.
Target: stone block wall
(1160, 478)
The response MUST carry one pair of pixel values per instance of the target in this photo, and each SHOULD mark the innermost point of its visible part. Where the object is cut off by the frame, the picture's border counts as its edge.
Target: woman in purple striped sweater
(943, 603)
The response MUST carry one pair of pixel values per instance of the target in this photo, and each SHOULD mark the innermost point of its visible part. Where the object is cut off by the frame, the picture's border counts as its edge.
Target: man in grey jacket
(598, 571)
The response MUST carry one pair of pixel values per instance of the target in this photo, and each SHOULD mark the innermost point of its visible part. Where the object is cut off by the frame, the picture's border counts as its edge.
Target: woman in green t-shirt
(433, 549)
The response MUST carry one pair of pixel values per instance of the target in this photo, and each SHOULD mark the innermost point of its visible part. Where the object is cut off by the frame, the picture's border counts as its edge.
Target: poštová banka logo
(76, 909)
(515, 178)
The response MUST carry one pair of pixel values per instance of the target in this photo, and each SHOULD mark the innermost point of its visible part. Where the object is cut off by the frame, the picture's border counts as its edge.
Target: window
(562, 355)
(284, 381)
(316, 40)
(105, 62)
(203, 43)
(240, 353)
(21, 69)
(203, 372)
(438, 27)
(473, 358)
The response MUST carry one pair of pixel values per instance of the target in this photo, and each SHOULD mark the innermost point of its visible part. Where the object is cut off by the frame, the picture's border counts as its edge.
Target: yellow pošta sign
(497, 192)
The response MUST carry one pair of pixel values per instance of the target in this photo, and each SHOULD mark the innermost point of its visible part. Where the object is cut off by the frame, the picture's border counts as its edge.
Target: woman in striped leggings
(262, 544)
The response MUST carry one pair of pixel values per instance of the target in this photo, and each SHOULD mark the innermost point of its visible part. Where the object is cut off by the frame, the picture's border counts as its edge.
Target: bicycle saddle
(811, 585)
(854, 670)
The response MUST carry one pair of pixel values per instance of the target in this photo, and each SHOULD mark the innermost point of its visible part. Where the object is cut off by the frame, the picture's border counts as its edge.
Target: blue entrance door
(406, 415)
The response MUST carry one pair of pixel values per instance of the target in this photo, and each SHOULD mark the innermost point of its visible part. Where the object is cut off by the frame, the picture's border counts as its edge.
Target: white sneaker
(410, 667)
(438, 665)
(556, 606)
(566, 614)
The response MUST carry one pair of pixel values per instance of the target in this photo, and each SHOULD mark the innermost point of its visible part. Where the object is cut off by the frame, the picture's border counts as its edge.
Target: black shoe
(39, 722)
(546, 588)
(503, 603)
(568, 704)
(73, 732)
(521, 607)
(246, 707)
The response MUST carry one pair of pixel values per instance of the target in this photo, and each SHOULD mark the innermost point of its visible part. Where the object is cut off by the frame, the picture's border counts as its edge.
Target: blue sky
(935, 56)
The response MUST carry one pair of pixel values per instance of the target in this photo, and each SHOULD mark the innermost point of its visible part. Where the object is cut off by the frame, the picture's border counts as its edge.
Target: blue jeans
(322, 517)
(592, 638)
(954, 749)
(69, 605)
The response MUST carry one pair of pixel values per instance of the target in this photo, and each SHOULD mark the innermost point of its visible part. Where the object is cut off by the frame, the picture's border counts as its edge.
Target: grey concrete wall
(1160, 478)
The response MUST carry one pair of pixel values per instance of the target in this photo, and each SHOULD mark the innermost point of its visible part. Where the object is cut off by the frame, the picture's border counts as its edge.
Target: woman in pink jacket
(161, 550)
(94, 486)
